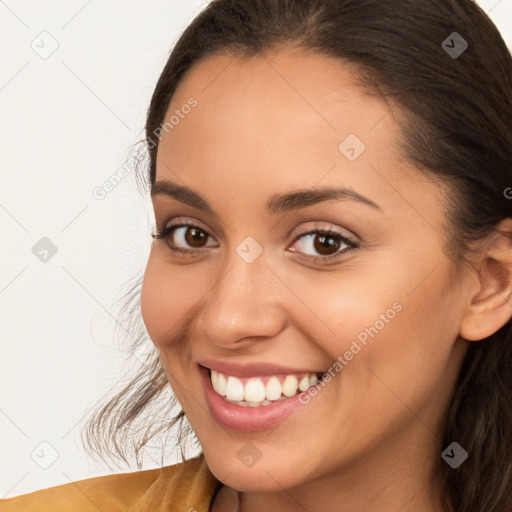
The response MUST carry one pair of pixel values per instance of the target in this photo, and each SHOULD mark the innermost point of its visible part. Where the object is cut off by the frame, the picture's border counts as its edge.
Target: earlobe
(490, 308)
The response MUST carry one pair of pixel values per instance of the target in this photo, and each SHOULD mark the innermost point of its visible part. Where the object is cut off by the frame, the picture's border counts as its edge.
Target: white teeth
(252, 404)
(254, 391)
(234, 389)
(290, 385)
(304, 383)
(273, 388)
(221, 383)
(215, 378)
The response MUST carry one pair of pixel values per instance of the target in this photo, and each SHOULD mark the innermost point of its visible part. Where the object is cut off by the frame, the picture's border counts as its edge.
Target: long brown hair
(456, 123)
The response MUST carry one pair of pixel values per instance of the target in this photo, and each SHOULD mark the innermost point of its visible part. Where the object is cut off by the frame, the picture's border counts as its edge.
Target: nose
(244, 304)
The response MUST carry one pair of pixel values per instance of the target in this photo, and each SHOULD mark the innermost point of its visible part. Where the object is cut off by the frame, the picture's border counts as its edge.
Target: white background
(67, 123)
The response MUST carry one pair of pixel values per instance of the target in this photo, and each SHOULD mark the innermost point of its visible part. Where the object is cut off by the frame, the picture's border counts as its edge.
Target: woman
(329, 289)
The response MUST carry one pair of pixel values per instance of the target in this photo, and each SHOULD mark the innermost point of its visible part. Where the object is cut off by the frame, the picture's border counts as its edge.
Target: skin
(272, 124)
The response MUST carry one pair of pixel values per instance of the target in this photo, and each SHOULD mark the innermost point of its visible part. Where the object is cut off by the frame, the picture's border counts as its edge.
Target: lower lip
(247, 419)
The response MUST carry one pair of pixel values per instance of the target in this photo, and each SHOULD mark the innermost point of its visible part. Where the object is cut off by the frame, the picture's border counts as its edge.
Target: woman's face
(263, 284)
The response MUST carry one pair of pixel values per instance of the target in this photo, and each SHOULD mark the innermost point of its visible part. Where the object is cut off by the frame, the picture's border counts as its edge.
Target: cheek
(406, 360)
(408, 308)
(386, 319)
(168, 296)
(336, 309)
(395, 341)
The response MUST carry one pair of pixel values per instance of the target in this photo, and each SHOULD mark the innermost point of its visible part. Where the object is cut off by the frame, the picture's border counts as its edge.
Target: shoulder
(183, 486)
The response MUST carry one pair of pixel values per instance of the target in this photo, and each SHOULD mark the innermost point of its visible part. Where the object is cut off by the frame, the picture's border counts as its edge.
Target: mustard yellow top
(185, 487)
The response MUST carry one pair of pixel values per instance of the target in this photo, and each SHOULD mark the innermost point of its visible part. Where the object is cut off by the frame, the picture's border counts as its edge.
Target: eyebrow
(278, 203)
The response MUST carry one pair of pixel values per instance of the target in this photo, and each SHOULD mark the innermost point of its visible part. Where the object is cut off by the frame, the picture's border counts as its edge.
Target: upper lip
(252, 369)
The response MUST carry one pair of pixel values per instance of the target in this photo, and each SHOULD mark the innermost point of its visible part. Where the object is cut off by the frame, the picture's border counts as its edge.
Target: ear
(490, 306)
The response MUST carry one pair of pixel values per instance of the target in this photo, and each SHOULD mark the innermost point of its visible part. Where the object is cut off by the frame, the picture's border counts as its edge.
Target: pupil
(323, 247)
(194, 235)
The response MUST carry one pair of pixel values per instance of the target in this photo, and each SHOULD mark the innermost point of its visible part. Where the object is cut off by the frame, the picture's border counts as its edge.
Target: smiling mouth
(261, 391)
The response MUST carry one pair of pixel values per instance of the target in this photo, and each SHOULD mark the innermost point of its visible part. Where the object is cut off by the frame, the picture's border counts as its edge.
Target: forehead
(279, 120)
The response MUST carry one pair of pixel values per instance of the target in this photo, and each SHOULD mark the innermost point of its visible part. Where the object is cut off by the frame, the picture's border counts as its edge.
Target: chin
(263, 476)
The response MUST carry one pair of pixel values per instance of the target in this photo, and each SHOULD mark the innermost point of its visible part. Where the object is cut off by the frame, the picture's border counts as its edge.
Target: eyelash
(352, 245)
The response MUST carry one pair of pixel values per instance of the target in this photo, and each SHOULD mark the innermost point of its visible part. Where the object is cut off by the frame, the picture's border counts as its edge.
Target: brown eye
(184, 237)
(195, 237)
(325, 243)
